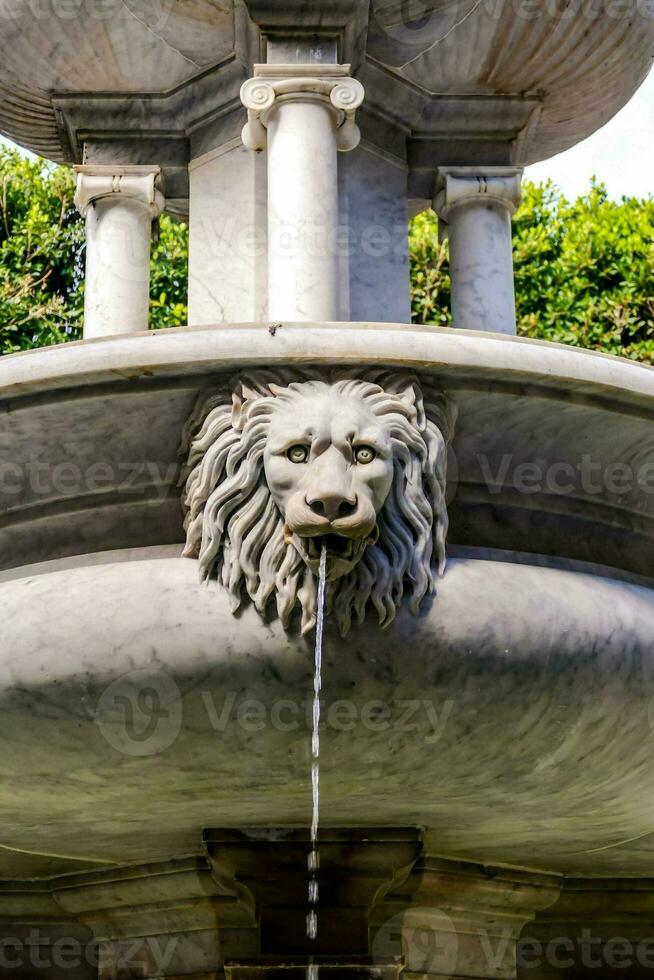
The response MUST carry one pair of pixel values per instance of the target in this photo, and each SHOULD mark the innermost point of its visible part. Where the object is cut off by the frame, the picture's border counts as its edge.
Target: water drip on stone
(313, 859)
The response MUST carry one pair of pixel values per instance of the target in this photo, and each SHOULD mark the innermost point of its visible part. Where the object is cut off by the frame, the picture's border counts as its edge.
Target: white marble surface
(502, 704)
(163, 66)
(373, 257)
(302, 212)
(228, 271)
(445, 351)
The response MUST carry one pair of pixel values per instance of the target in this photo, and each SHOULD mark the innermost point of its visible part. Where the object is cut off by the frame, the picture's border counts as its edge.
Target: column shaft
(117, 268)
(302, 212)
(119, 206)
(475, 207)
(302, 115)
(481, 268)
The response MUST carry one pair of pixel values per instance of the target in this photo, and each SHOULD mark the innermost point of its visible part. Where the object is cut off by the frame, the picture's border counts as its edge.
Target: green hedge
(584, 269)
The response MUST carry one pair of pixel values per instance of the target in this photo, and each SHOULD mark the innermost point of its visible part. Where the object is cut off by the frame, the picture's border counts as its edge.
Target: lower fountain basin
(512, 719)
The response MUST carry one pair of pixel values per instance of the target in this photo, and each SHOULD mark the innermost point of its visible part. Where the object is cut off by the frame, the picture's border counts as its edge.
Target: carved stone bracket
(463, 186)
(272, 84)
(142, 185)
(460, 920)
(147, 921)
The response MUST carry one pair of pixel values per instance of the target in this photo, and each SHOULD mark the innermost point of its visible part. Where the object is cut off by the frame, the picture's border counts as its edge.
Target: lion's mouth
(342, 552)
(334, 544)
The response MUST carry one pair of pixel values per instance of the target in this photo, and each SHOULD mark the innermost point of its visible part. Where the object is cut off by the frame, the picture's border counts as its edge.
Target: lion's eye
(298, 454)
(364, 454)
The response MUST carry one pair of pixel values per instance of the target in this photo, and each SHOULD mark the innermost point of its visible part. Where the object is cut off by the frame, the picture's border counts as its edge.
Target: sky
(621, 154)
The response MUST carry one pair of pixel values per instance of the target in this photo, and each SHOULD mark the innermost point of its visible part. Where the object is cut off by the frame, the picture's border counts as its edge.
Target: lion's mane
(236, 531)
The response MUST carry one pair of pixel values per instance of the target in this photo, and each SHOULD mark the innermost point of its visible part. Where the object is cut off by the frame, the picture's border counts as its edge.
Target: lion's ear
(241, 400)
(411, 395)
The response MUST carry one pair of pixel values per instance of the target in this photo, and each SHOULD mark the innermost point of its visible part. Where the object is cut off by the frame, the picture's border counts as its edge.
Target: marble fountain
(486, 504)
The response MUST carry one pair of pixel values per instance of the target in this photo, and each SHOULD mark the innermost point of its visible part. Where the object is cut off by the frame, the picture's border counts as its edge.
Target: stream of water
(314, 857)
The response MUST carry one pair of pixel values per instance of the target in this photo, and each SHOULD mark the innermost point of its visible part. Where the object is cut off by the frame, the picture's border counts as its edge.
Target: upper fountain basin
(449, 83)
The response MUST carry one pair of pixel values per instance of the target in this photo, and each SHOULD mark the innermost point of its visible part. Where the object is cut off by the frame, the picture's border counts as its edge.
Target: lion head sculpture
(287, 462)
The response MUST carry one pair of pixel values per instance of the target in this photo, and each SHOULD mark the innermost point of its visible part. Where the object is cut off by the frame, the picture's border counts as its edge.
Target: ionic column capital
(274, 84)
(462, 186)
(142, 185)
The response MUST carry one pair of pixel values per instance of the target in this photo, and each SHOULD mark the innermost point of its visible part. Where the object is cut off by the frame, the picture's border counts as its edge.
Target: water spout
(313, 861)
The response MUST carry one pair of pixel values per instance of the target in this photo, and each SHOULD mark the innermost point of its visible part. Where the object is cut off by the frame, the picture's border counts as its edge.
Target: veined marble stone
(540, 632)
(469, 725)
(506, 85)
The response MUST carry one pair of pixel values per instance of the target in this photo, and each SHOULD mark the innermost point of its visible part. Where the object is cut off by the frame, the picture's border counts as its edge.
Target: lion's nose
(332, 505)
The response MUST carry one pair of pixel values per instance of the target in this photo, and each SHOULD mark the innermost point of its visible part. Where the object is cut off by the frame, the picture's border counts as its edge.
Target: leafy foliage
(42, 258)
(584, 270)
(169, 275)
(40, 245)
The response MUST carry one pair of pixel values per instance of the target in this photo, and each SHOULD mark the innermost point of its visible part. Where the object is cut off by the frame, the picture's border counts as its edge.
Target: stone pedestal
(474, 205)
(160, 920)
(461, 921)
(598, 928)
(356, 868)
(119, 204)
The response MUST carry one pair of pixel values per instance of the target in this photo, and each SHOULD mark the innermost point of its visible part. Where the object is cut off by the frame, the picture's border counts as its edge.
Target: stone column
(303, 114)
(474, 206)
(119, 204)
